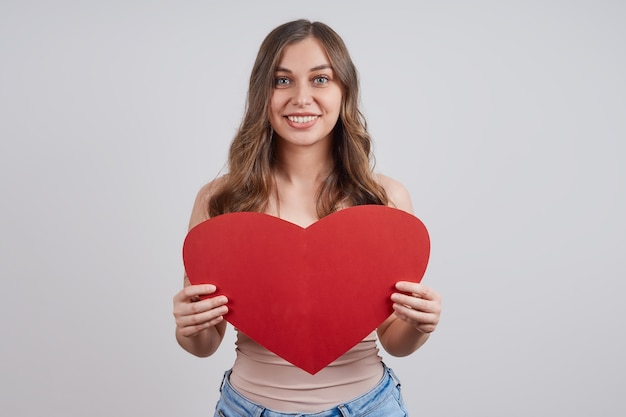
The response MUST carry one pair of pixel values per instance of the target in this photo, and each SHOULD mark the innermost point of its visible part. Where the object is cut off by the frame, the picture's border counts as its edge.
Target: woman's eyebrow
(317, 68)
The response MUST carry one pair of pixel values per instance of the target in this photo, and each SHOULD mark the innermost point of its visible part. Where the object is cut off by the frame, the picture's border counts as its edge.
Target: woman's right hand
(193, 314)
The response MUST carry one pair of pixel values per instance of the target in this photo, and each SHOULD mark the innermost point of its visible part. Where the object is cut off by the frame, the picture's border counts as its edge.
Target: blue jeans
(384, 400)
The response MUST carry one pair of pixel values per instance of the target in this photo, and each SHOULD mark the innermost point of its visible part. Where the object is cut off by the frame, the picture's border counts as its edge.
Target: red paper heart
(308, 294)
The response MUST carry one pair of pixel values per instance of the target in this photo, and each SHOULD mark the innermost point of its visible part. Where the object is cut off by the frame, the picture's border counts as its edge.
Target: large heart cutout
(308, 294)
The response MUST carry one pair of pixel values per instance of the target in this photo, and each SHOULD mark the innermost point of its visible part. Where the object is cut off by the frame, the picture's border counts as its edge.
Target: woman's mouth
(301, 119)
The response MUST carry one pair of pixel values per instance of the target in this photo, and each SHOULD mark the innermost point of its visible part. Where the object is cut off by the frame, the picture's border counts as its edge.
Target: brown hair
(248, 184)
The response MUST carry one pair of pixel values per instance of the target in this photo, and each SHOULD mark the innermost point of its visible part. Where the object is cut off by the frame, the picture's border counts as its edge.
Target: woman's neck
(303, 166)
(298, 175)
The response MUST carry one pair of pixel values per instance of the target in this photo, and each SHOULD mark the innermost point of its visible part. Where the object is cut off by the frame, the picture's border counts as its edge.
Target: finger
(197, 290)
(418, 290)
(193, 292)
(415, 315)
(187, 307)
(207, 304)
(201, 319)
(424, 322)
(414, 302)
(407, 286)
(194, 330)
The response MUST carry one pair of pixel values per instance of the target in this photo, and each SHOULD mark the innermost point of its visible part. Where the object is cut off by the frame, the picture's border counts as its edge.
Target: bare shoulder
(399, 196)
(200, 211)
(209, 189)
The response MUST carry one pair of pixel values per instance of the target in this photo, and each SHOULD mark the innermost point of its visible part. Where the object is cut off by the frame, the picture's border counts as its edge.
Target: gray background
(506, 121)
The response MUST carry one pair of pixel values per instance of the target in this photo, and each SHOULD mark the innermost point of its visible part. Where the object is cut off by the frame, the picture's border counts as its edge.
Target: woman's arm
(200, 324)
(416, 315)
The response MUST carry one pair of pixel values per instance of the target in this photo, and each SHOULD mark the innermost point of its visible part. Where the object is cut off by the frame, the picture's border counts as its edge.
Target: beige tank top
(268, 380)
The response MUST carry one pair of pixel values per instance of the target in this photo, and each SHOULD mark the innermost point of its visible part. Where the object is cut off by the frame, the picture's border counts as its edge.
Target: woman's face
(306, 99)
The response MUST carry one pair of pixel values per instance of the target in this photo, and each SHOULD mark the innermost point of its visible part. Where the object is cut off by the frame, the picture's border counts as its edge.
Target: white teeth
(301, 119)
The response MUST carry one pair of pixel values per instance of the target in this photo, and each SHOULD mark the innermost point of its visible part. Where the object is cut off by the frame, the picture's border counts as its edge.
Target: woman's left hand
(417, 305)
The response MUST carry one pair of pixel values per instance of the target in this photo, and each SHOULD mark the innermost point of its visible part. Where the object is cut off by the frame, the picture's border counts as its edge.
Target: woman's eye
(321, 79)
(281, 81)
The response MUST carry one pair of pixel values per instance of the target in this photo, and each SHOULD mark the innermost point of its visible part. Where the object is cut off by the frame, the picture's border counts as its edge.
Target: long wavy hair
(249, 183)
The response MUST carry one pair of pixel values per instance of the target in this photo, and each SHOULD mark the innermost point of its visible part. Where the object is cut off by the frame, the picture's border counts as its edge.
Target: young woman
(302, 152)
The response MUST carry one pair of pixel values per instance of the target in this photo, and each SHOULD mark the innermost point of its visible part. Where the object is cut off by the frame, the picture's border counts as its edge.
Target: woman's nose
(302, 95)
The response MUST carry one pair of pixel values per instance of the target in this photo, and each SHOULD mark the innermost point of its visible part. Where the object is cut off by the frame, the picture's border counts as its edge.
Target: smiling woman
(303, 152)
(305, 104)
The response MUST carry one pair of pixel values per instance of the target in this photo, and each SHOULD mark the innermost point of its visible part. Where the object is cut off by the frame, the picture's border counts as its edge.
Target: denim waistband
(355, 407)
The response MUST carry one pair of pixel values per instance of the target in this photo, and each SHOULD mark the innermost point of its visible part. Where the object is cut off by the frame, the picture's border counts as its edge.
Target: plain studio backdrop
(505, 120)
